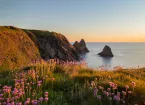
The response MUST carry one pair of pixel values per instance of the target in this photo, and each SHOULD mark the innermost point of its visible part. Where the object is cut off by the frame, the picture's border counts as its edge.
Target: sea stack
(106, 52)
(81, 47)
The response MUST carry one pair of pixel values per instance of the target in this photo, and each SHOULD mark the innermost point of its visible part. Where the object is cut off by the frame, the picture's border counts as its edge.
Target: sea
(126, 55)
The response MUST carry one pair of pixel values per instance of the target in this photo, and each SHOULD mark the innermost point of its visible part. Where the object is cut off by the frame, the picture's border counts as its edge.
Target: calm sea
(127, 55)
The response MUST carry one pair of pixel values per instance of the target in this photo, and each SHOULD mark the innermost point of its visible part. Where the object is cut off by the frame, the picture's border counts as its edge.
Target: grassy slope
(16, 48)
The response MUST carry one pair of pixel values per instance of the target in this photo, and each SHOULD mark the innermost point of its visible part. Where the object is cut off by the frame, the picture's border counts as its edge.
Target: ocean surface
(126, 55)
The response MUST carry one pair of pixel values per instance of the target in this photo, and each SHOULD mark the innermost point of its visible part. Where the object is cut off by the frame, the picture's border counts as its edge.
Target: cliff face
(81, 47)
(20, 47)
(53, 45)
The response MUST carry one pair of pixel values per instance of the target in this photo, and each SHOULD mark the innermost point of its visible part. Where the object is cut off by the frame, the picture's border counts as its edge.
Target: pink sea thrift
(95, 91)
(129, 92)
(107, 94)
(92, 83)
(133, 84)
(41, 99)
(53, 79)
(34, 102)
(18, 103)
(27, 102)
(108, 89)
(46, 93)
(46, 99)
(99, 97)
(126, 86)
(117, 98)
(12, 103)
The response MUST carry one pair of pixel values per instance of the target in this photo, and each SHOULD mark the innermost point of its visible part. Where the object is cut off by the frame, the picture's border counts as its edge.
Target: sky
(92, 20)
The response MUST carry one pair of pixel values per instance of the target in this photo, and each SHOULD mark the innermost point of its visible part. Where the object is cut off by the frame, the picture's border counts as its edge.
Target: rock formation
(53, 45)
(20, 47)
(81, 47)
(106, 52)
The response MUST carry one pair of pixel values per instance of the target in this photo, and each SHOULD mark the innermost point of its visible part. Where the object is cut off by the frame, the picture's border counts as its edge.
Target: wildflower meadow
(71, 83)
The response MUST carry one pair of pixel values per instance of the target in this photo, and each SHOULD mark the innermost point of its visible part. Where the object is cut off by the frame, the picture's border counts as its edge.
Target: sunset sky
(93, 20)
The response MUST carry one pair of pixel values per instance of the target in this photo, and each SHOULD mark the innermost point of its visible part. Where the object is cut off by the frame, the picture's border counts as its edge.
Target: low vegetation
(71, 83)
(16, 48)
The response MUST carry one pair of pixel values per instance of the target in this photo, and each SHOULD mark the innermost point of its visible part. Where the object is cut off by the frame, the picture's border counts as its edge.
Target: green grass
(73, 84)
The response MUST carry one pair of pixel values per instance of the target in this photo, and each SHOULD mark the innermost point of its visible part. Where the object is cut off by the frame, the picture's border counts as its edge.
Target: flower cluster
(111, 93)
(23, 92)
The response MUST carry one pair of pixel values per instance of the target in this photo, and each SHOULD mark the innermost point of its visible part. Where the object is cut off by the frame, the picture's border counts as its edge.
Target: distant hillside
(20, 47)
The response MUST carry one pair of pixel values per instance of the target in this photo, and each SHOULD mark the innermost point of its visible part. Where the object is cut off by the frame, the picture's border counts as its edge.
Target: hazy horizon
(92, 20)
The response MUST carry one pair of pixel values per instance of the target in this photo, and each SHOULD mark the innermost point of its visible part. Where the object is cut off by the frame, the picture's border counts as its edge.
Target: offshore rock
(106, 52)
(81, 47)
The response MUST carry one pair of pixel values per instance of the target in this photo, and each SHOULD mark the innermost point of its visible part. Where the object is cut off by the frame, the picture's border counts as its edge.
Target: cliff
(53, 45)
(20, 47)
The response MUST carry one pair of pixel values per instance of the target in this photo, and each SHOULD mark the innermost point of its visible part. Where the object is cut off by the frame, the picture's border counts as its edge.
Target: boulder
(106, 52)
(81, 47)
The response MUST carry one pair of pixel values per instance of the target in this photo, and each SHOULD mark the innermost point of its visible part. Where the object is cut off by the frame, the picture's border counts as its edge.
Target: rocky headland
(20, 47)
